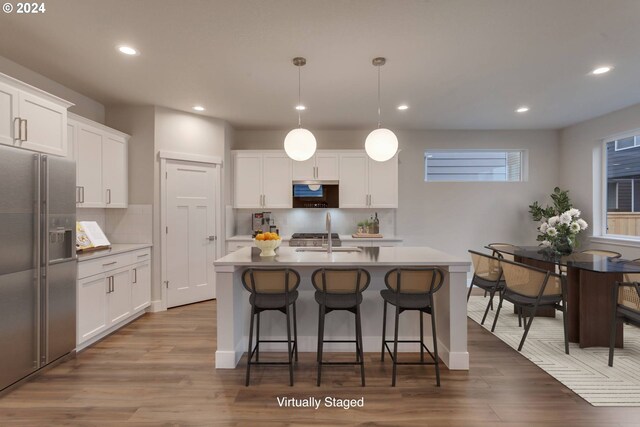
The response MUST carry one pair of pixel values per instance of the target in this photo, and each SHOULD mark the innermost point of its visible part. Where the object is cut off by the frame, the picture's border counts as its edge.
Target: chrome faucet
(329, 239)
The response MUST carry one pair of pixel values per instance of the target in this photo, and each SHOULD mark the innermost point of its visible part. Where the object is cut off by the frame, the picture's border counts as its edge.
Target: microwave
(312, 194)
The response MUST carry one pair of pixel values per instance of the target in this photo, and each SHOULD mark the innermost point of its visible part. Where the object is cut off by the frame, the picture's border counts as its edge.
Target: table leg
(573, 304)
(595, 309)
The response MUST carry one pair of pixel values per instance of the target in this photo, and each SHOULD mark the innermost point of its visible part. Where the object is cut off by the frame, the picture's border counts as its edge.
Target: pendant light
(300, 144)
(381, 144)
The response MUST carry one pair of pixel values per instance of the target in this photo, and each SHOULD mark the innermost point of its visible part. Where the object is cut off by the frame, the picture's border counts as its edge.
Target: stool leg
(395, 348)
(421, 338)
(253, 312)
(435, 343)
(384, 330)
(289, 345)
(319, 336)
(320, 343)
(359, 340)
(258, 337)
(295, 331)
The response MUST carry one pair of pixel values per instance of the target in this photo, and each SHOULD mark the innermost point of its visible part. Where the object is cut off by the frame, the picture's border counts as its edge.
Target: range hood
(316, 194)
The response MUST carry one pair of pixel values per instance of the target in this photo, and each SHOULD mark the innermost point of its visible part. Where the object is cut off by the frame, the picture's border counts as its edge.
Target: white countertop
(116, 248)
(373, 256)
(344, 237)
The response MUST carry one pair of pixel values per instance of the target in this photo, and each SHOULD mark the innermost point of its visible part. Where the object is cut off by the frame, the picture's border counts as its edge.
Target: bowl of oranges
(267, 243)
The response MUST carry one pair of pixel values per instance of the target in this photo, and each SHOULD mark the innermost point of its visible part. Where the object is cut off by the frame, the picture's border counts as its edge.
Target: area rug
(584, 371)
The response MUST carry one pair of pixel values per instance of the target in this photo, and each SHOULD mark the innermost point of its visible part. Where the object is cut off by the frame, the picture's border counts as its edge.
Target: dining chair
(340, 289)
(487, 275)
(272, 289)
(625, 307)
(529, 288)
(503, 250)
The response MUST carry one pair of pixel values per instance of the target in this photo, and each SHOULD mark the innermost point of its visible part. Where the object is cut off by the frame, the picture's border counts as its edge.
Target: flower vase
(563, 246)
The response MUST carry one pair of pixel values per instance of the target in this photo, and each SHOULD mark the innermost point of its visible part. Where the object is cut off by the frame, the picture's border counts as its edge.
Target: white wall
(84, 106)
(580, 158)
(453, 217)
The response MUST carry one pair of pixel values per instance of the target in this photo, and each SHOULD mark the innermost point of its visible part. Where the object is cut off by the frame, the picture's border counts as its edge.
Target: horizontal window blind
(473, 165)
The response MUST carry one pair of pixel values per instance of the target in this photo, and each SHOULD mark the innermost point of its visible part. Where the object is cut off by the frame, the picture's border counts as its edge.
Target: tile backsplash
(131, 225)
(92, 214)
(344, 221)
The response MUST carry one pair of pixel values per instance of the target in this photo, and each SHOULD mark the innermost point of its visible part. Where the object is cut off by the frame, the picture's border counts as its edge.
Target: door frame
(168, 156)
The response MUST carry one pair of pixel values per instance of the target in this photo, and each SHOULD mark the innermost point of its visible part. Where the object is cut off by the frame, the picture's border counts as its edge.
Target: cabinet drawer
(104, 264)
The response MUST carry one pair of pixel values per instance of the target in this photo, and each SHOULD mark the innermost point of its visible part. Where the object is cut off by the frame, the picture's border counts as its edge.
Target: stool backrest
(341, 280)
(632, 277)
(530, 281)
(486, 266)
(629, 295)
(503, 250)
(270, 281)
(426, 280)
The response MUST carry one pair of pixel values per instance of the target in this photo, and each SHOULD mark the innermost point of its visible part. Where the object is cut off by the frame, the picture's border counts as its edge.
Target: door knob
(213, 238)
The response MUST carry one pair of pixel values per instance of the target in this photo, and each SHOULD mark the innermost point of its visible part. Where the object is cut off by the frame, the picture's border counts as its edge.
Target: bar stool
(340, 289)
(411, 289)
(272, 289)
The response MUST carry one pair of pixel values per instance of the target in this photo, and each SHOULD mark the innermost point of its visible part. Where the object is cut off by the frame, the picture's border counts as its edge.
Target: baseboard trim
(156, 306)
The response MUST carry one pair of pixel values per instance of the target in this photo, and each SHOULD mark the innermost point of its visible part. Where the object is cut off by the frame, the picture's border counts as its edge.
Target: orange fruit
(260, 237)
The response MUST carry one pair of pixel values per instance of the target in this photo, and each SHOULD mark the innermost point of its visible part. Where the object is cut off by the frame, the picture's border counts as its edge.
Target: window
(622, 186)
(474, 165)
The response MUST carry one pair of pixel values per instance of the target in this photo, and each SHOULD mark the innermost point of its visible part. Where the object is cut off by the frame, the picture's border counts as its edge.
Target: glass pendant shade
(381, 144)
(300, 144)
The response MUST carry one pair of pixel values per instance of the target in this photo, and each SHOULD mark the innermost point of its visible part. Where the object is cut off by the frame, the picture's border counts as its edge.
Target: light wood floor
(159, 371)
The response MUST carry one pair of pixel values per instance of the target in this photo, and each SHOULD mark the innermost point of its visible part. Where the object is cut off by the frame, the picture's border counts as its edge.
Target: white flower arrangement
(561, 223)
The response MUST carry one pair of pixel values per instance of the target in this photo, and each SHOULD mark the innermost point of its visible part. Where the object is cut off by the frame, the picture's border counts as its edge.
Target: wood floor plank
(159, 371)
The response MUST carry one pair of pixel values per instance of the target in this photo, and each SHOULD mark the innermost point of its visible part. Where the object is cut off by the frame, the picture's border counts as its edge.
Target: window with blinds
(473, 165)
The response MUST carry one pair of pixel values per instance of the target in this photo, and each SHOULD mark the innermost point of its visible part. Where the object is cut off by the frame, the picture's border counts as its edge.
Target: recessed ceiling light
(601, 70)
(300, 107)
(128, 50)
(403, 107)
(522, 109)
(198, 108)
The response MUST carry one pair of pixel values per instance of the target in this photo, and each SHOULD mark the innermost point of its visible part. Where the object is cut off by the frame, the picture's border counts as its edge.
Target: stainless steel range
(313, 239)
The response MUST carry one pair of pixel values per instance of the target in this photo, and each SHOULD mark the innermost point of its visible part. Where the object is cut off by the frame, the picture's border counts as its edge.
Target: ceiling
(458, 64)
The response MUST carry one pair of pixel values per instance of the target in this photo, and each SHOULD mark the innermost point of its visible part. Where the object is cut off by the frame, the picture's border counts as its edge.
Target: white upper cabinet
(89, 167)
(366, 183)
(322, 166)
(277, 187)
(383, 183)
(248, 180)
(114, 171)
(8, 114)
(353, 180)
(262, 180)
(101, 164)
(32, 119)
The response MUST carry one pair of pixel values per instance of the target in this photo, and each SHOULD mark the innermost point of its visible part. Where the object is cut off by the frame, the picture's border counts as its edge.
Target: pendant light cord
(299, 98)
(378, 96)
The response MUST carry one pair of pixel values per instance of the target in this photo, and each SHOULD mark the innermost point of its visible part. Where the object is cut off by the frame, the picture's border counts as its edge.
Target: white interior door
(190, 231)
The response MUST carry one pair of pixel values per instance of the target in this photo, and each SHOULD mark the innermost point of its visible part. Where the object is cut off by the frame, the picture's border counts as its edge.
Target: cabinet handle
(264, 200)
(19, 131)
(109, 263)
(108, 196)
(77, 194)
(26, 129)
(135, 275)
(143, 255)
(370, 200)
(82, 187)
(113, 285)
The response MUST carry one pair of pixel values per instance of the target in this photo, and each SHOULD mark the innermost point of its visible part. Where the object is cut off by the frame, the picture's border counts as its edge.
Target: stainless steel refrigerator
(37, 261)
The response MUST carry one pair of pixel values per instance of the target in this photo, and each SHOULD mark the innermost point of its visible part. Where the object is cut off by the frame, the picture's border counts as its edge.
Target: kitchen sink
(334, 249)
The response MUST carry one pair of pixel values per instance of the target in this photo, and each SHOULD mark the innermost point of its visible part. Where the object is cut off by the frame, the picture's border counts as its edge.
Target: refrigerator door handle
(38, 258)
(44, 196)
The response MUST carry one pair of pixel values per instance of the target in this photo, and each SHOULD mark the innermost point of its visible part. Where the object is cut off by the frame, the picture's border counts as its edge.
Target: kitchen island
(234, 308)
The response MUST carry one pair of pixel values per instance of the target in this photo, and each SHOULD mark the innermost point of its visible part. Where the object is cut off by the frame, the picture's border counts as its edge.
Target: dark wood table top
(583, 261)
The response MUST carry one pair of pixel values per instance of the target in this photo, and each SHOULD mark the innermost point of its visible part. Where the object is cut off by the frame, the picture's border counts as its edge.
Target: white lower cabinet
(92, 307)
(140, 286)
(108, 299)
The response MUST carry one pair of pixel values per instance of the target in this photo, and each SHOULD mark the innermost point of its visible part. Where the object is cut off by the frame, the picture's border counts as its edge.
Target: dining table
(590, 280)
